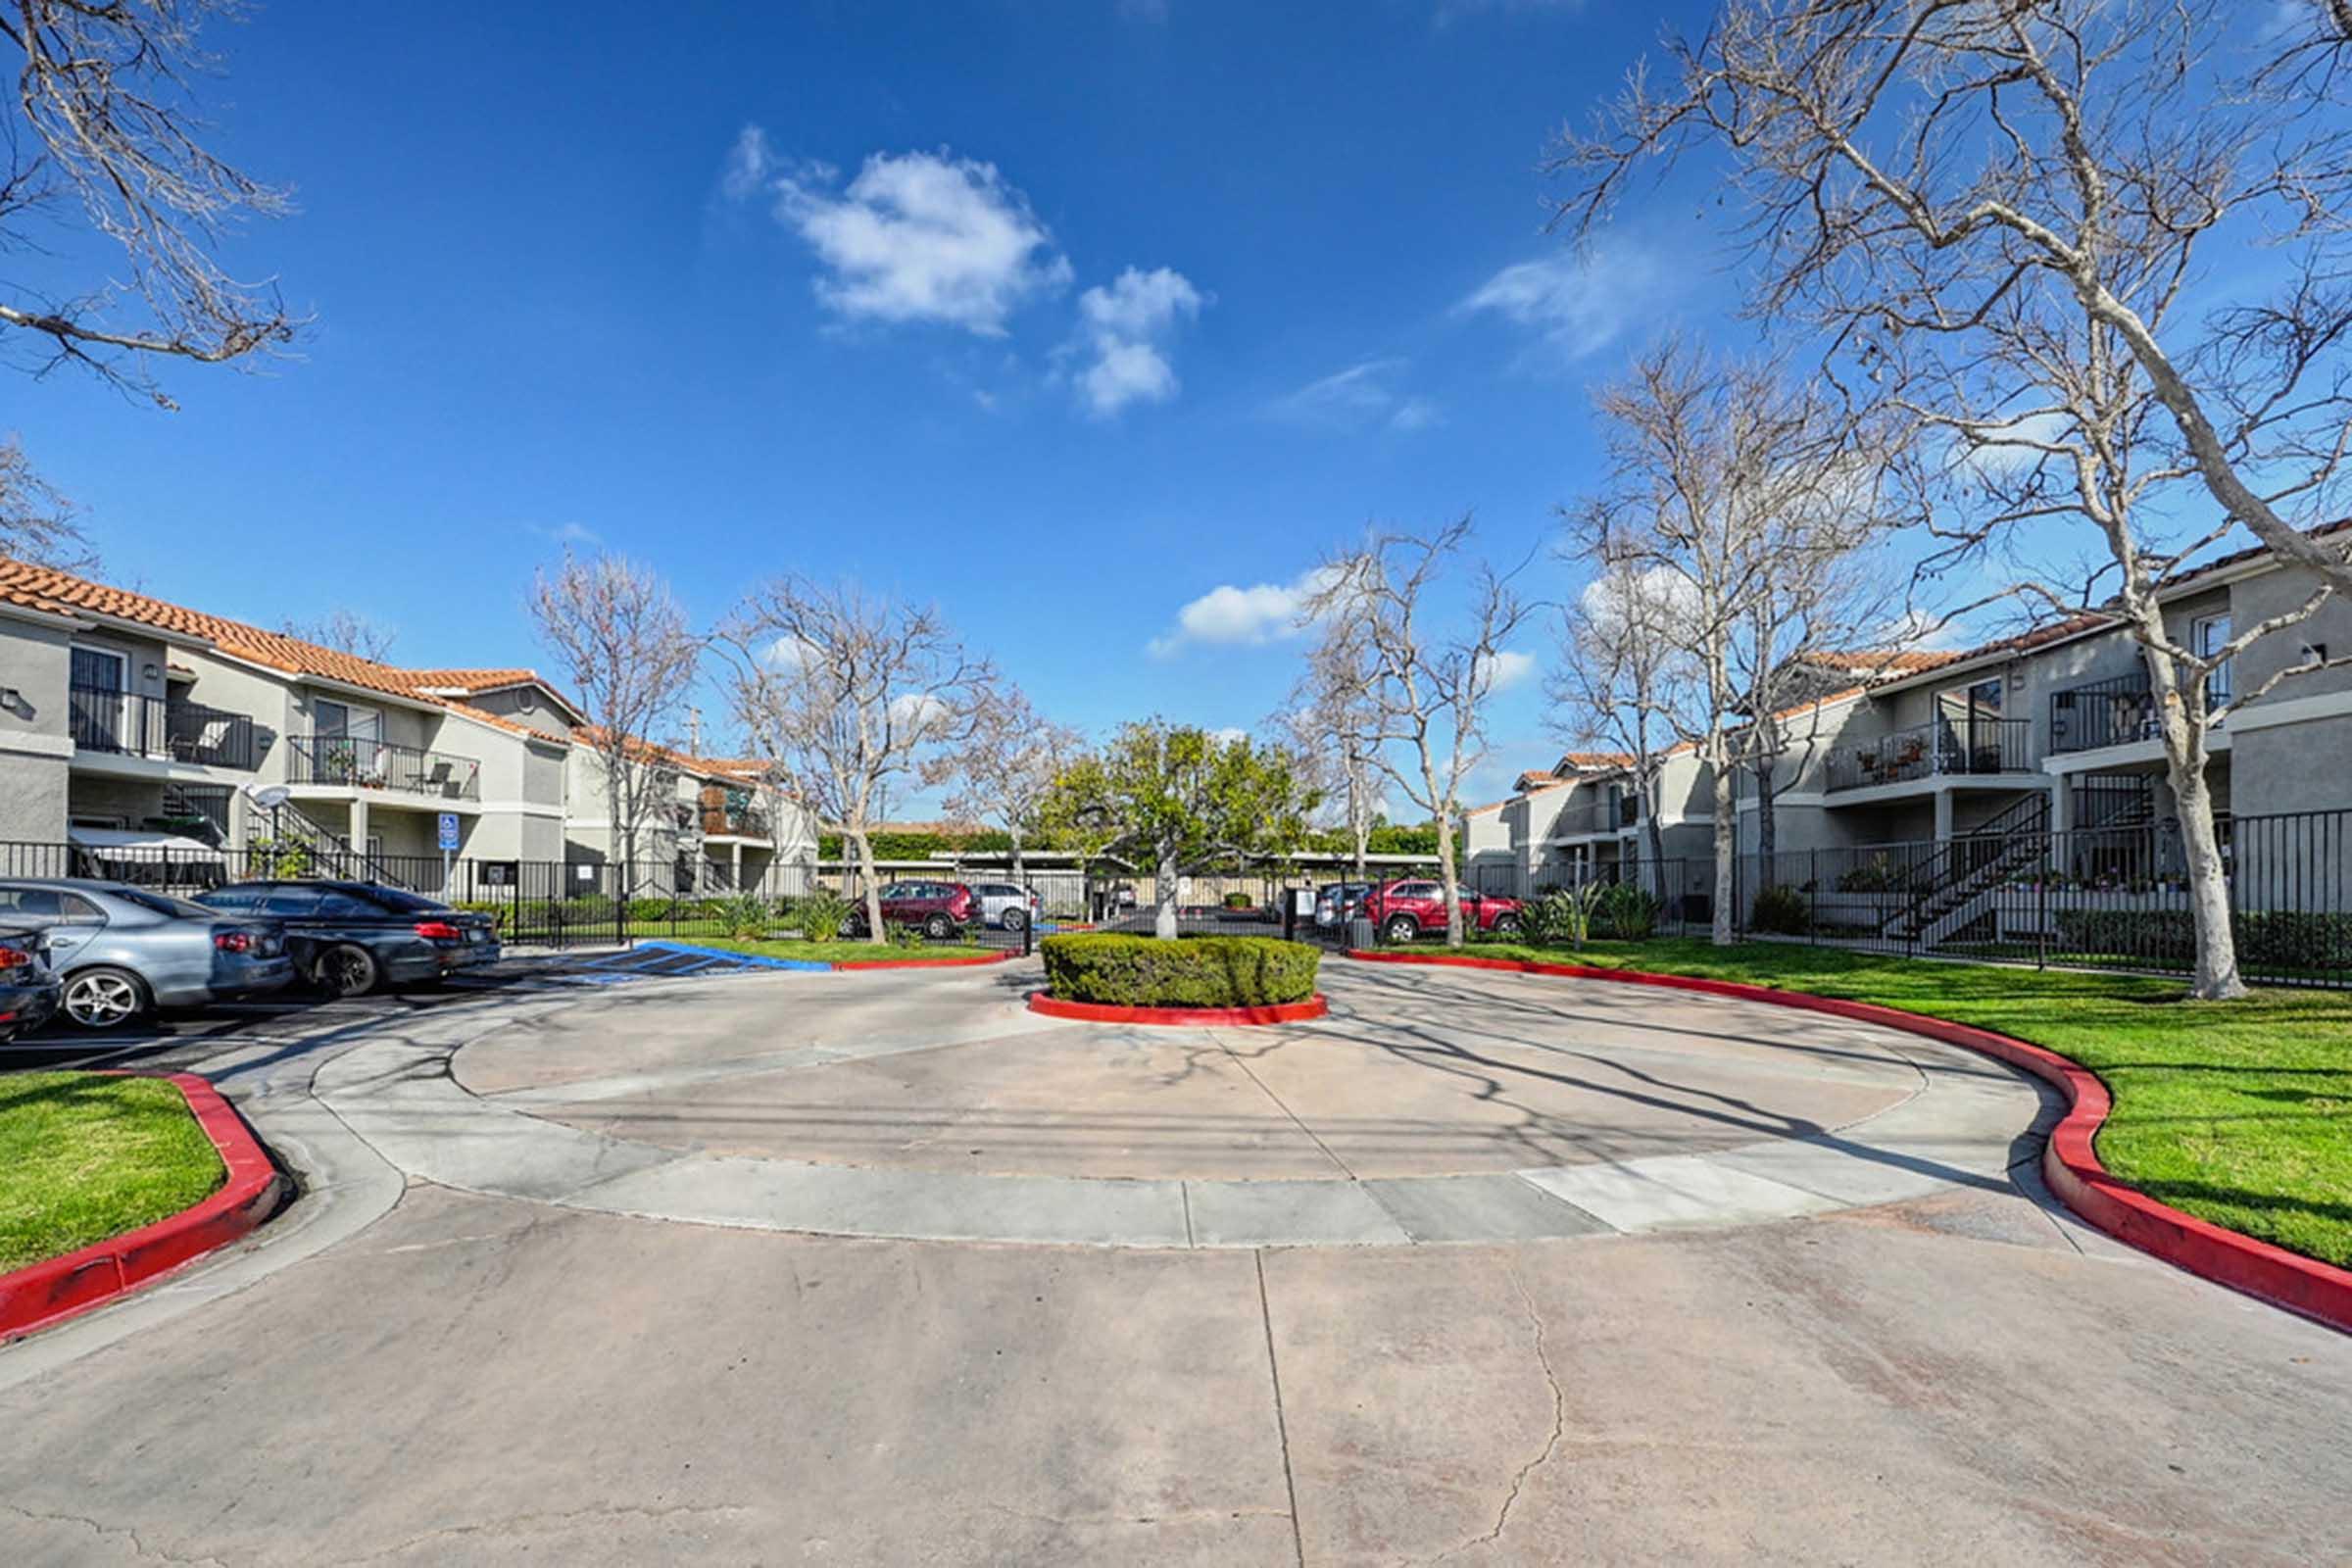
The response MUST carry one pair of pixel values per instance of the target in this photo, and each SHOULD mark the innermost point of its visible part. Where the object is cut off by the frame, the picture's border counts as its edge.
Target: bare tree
(630, 655)
(37, 523)
(1996, 218)
(1425, 687)
(1332, 725)
(110, 134)
(1739, 499)
(1624, 680)
(854, 696)
(346, 631)
(1008, 765)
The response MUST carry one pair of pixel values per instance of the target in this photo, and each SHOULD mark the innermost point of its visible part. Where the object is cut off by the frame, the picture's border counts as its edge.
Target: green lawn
(85, 1157)
(843, 951)
(2236, 1111)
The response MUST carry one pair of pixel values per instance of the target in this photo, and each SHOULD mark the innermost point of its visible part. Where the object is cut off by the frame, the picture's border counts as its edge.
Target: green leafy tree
(1179, 800)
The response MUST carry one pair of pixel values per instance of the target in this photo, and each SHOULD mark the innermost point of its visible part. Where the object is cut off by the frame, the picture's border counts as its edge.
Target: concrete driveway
(471, 1342)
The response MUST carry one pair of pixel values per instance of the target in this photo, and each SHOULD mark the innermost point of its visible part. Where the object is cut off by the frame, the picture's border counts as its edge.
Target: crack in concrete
(538, 1521)
(105, 1532)
(1551, 1443)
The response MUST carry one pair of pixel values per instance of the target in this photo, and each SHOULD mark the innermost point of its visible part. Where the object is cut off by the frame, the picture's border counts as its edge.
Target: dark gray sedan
(123, 952)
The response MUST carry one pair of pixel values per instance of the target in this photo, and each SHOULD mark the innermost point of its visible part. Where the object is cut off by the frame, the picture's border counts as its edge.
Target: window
(236, 900)
(75, 910)
(2208, 636)
(95, 670)
(292, 902)
(34, 903)
(163, 903)
(336, 905)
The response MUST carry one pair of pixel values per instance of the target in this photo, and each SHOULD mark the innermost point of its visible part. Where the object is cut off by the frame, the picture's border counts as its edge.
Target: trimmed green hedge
(1129, 972)
(2266, 939)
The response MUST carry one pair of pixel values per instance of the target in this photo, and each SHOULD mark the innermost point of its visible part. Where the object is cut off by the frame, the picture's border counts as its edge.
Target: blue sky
(1066, 316)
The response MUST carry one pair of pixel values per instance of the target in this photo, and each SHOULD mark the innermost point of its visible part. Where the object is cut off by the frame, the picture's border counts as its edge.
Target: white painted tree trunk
(1163, 912)
(1727, 850)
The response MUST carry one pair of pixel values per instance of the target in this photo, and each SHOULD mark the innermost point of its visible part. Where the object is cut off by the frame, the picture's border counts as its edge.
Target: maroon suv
(941, 909)
(1410, 909)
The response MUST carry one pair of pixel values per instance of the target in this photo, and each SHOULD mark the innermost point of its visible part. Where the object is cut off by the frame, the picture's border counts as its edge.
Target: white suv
(1008, 905)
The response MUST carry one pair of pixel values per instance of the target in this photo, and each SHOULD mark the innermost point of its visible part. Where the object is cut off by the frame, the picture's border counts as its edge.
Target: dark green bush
(2168, 937)
(1238, 900)
(1130, 972)
(1629, 912)
(1780, 909)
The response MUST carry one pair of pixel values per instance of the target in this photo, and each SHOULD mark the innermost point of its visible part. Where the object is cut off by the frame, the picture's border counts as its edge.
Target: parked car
(1008, 905)
(1338, 901)
(123, 951)
(348, 938)
(1406, 909)
(29, 988)
(941, 909)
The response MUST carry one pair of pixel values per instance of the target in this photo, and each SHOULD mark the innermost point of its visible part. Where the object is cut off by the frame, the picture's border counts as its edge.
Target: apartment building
(1582, 818)
(132, 727)
(721, 826)
(1919, 779)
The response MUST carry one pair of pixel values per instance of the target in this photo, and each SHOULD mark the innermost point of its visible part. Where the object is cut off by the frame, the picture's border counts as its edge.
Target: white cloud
(1998, 452)
(917, 710)
(915, 237)
(1354, 399)
(1126, 327)
(790, 654)
(1416, 413)
(1507, 668)
(1228, 735)
(1579, 305)
(1253, 616)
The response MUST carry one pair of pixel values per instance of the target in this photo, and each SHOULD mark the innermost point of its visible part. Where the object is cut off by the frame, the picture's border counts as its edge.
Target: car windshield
(163, 903)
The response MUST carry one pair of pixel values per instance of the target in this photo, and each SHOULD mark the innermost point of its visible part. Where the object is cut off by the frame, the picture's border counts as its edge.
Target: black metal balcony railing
(129, 724)
(364, 763)
(2118, 710)
(1938, 750)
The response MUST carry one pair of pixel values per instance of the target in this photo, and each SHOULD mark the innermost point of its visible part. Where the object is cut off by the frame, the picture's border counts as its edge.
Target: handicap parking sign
(449, 830)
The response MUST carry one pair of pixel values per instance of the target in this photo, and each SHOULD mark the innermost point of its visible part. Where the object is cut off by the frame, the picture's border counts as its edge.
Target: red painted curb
(42, 1294)
(1315, 1007)
(2069, 1162)
(1006, 957)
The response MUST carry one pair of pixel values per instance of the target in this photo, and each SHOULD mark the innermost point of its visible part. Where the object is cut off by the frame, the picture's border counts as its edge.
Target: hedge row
(2266, 939)
(1130, 972)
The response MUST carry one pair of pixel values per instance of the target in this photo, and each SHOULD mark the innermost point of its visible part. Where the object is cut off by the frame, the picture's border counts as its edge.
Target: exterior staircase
(284, 837)
(1966, 874)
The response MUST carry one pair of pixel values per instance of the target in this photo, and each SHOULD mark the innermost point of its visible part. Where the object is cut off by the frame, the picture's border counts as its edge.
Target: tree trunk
(1767, 829)
(873, 885)
(1163, 898)
(1654, 840)
(1452, 880)
(2216, 977)
(1016, 854)
(1727, 850)
(1359, 824)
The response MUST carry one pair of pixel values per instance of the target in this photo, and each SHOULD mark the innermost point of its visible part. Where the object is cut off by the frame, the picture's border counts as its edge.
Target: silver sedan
(124, 950)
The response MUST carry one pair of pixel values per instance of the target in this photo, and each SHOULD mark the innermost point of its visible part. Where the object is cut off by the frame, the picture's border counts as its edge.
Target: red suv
(941, 909)
(1407, 909)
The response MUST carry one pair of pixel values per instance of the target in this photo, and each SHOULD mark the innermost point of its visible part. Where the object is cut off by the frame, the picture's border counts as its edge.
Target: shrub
(1629, 911)
(2266, 939)
(821, 914)
(1561, 918)
(1782, 909)
(651, 909)
(1131, 971)
(746, 915)
(1237, 901)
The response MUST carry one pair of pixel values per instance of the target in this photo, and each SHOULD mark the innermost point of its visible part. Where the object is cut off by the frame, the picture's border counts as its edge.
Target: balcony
(745, 823)
(1947, 747)
(1595, 817)
(2118, 711)
(358, 763)
(128, 724)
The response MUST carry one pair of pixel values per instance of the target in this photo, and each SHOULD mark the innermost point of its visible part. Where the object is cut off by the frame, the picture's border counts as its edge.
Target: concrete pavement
(1961, 1375)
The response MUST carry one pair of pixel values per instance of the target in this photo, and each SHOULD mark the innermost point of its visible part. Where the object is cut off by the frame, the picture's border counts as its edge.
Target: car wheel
(104, 998)
(1506, 925)
(1402, 928)
(346, 971)
(939, 928)
(1015, 919)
